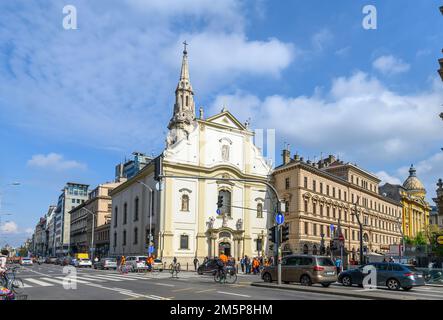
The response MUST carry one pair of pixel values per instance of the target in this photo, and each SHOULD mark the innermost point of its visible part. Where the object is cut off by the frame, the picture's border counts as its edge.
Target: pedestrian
(242, 264)
(195, 263)
(338, 265)
(247, 265)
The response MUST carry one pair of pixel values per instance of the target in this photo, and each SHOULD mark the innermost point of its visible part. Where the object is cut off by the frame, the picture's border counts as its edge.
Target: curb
(324, 291)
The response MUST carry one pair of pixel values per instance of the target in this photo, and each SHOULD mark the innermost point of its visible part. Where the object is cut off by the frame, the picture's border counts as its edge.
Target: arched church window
(226, 209)
(225, 152)
(305, 249)
(259, 210)
(185, 202)
(187, 100)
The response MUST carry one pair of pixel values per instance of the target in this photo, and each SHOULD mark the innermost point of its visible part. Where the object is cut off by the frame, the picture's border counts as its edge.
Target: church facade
(204, 159)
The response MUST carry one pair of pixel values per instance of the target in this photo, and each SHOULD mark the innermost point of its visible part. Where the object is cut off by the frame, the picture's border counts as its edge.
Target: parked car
(41, 260)
(51, 260)
(83, 263)
(72, 261)
(26, 262)
(210, 267)
(391, 275)
(136, 262)
(158, 265)
(305, 269)
(106, 263)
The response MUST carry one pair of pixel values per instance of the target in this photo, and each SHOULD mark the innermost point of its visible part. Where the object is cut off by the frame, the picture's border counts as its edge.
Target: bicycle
(225, 276)
(174, 268)
(11, 282)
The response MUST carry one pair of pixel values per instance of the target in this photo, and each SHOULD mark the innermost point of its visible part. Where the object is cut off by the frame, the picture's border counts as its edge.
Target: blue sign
(332, 228)
(279, 218)
(218, 211)
(151, 249)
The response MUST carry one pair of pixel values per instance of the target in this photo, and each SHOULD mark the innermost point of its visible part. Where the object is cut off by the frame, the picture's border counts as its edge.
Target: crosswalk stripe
(118, 277)
(105, 278)
(72, 279)
(52, 280)
(89, 279)
(40, 283)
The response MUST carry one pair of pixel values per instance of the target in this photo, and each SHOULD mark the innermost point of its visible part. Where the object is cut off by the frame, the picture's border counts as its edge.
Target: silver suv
(305, 269)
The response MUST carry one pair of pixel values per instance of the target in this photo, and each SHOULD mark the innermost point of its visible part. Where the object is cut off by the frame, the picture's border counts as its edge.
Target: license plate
(419, 276)
(329, 273)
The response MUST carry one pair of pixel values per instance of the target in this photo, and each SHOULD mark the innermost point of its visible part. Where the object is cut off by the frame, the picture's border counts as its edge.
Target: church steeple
(183, 117)
(184, 107)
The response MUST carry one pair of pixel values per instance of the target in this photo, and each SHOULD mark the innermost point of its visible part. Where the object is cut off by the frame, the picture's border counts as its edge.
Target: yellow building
(415, 215)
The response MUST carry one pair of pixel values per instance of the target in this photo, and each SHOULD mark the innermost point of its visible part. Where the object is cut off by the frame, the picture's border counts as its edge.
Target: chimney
(286, 155)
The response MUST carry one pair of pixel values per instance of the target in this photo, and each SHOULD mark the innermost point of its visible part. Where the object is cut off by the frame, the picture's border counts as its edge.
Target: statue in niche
(211, 223)
(225, 152)
(239, 224)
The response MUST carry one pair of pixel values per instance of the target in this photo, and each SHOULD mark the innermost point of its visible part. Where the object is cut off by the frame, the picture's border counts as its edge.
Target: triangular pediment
(226, 118)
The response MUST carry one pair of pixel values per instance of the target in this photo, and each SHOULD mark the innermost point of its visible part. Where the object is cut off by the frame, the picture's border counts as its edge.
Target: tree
(419, 239)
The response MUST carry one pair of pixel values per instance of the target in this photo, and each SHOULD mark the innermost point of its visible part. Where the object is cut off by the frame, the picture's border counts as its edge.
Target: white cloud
(385, 177)
(9, 227)
(321, 39)
(357, 116)
(112, 81)
(54, 161)
(389, 64)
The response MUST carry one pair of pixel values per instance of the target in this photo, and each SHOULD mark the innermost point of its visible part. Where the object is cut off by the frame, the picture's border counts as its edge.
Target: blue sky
(74, 103)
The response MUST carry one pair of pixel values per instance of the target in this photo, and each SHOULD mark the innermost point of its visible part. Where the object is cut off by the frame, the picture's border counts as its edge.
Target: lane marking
(207, 290)
(164, 284)
(89, 279)
(41, 283)
(234, 294)
(183, 289)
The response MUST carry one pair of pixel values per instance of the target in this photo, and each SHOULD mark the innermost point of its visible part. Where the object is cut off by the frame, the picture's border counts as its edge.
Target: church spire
(183, 116)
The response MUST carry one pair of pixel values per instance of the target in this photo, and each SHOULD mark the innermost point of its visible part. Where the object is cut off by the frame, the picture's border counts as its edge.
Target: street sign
(279, 218)
(151, 249)
(440, 239)
(218, 211)
(159, 186)
(332, 227)
(341, 237)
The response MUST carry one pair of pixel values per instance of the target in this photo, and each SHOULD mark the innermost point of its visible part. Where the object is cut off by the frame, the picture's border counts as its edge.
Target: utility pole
(150, 212)
(93, 226)
(400, 228)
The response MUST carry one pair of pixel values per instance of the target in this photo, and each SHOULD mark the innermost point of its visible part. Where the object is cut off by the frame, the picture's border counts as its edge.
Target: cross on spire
(185, 44)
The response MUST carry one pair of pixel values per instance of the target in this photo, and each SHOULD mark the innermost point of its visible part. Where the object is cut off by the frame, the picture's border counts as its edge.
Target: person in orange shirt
(224, 258)
(255, 265)
(150, 262)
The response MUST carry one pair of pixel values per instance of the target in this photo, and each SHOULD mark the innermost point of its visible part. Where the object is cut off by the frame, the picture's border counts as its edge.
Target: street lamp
(150, 211)
(357, 215)
(92, 238)
(400, 228)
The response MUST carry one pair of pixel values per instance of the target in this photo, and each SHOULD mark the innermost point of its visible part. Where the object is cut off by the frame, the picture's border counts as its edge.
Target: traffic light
(220, 202)
(284, 233)
(272, 234)
(333, 245)
(158, 168)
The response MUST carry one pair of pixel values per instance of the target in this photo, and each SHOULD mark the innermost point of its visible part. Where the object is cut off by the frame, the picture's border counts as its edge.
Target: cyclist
(3, 258)
(150, 262)
(222, 261)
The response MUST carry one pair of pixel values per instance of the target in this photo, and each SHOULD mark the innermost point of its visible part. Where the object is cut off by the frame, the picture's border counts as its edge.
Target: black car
(391, 275)
(210, 267)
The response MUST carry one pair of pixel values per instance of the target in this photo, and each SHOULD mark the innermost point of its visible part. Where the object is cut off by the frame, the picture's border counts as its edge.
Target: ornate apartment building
(329, 192)
(412, 195)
